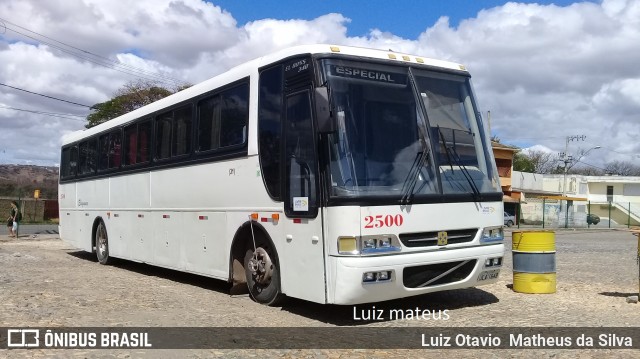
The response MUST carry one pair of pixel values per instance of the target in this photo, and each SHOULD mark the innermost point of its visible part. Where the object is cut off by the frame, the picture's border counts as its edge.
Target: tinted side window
(103, 152)
(110, 150)
(69, 162)
(181, 131)
(163, 135)
(130, 144)
(269, 128)
(87, 157)
(173, 133)
(208, 132)
(136, 143)
(222, 119)
(144, 142)
(234, 113)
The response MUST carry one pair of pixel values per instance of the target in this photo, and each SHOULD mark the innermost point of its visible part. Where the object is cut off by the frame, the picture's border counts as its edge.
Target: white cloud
(544, 71)
(538, 148)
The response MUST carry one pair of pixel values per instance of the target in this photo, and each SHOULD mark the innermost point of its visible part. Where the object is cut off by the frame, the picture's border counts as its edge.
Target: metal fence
(552, 213)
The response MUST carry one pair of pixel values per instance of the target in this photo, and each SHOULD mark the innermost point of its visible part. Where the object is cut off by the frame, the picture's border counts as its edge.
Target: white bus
(332, 174)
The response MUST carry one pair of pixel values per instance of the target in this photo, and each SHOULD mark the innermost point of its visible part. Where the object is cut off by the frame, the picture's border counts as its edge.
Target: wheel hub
(261, 266)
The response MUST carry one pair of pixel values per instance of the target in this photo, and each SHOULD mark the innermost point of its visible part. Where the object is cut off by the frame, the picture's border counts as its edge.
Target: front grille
(436, 274)
(428, 239)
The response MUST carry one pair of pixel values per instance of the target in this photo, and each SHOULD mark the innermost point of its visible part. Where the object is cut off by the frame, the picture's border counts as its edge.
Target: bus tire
(262, 289)
(102, 244)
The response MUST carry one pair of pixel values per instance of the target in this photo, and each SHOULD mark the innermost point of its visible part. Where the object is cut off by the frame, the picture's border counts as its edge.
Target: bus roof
(250, 67)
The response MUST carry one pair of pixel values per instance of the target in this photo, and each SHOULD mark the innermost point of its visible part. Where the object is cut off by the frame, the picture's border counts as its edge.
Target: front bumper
(347, 286)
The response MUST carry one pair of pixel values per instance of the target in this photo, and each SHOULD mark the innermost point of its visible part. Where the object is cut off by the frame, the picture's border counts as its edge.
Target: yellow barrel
(534, 262)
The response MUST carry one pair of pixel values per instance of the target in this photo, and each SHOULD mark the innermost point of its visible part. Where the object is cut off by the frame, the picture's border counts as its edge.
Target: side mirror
(323, 111)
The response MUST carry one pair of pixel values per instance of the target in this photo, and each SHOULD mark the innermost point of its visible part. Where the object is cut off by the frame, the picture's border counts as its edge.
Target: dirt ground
(46, 283)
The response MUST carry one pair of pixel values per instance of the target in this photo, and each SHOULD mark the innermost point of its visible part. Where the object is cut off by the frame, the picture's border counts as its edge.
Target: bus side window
(163, 135)
(69, 162)
(115, 149)
(130, 144)
(222, 119)
(233, 116)
(181, 139)
(208, 112)
(142, 152)
(103, 152)
(87, 156)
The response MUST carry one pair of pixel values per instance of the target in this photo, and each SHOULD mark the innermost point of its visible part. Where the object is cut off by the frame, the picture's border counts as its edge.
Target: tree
(522, 163)
(131, 96)
(622, 168)
(535, 162)
(587, 171)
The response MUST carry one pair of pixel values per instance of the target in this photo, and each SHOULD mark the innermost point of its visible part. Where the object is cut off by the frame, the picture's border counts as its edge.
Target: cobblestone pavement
(44, 282)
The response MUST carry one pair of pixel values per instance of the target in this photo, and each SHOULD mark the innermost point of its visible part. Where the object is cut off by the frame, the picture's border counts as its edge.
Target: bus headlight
(385, 243)
(492, 234)
(368, 245)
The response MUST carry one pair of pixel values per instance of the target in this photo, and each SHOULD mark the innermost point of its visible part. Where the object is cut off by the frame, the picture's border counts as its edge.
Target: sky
(546, 71)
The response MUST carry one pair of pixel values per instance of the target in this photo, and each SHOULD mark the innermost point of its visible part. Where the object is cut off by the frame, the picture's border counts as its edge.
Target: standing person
(14, 218)
(10, 224)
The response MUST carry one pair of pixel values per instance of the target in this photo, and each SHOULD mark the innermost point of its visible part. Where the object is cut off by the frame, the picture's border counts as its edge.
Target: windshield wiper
(421, 157)
(412, 177)
(450, 151)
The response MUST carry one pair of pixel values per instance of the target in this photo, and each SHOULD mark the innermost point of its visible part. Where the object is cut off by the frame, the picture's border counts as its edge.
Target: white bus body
(331, 174)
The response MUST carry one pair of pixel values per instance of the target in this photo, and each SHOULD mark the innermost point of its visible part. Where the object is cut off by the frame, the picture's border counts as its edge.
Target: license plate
(490, 274)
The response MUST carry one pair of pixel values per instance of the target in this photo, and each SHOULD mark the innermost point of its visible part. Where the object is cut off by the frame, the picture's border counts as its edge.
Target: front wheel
(263, 275)
(102, 244)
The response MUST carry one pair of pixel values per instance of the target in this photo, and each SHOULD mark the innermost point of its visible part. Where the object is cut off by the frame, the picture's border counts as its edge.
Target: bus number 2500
(380, 221)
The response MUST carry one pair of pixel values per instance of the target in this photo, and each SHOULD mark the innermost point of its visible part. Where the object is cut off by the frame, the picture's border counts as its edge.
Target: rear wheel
(102, 244)
(509, 223)
(263, 275)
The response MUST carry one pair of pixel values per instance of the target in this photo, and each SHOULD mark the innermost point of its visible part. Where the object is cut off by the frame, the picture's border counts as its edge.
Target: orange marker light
(275, 216)
(254, 216)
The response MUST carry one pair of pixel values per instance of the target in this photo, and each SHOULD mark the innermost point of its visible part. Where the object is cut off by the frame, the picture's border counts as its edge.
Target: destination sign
(368, 74)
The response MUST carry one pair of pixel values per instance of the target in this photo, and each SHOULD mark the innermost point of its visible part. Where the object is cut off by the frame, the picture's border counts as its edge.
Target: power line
(590, 165)
(67, 116)
(47, 96)
(621, 153)
(97, 59)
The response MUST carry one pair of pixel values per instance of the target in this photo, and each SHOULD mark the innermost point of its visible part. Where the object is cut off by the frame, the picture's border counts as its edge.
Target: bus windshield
(405, 133)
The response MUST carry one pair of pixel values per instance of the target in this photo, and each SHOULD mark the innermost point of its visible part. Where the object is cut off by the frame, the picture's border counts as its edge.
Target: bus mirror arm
(323, 111)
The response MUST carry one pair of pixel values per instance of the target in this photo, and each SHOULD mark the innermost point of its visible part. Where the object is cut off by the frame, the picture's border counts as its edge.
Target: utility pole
(567, 159)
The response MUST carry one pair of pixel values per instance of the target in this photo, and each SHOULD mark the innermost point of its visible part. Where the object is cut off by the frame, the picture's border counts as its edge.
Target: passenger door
(302, 265)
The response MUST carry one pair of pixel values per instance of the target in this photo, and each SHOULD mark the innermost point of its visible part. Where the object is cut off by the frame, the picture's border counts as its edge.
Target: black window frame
(216, 97)
(89, 140)
(136, 125)
(190, 157)
(110, 135)
(65, 163)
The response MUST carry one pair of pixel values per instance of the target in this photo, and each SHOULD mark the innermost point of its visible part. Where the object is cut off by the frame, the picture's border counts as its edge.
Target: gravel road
(46, 283)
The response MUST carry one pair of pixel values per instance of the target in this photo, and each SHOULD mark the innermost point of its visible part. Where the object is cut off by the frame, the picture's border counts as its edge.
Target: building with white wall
(615, 197)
